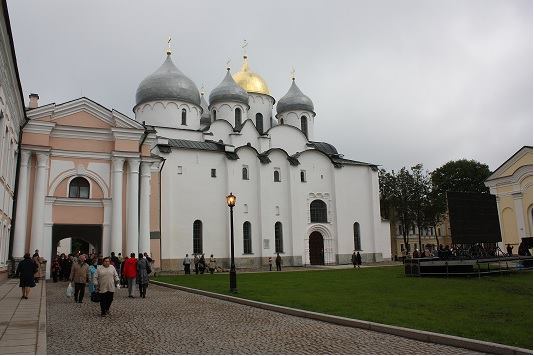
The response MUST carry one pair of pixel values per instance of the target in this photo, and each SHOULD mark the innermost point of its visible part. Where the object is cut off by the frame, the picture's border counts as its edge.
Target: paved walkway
(169, 321)
(22, 321)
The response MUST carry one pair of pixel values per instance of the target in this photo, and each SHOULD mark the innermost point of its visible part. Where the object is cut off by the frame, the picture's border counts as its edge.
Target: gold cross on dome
(293, 73)
(244, 46)
(228, 64)
(169, 51)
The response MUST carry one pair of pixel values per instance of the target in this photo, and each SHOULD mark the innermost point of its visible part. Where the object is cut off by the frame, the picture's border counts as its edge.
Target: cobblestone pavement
(169, 321)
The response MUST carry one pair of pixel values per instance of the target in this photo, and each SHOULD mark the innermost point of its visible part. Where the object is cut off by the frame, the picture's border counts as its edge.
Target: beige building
(430, 239)
(12, 119)
(512, 184)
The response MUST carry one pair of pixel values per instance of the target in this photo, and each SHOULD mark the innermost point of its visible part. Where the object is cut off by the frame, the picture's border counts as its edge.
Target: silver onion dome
(294, 100)
(167, 83)
(228, 90)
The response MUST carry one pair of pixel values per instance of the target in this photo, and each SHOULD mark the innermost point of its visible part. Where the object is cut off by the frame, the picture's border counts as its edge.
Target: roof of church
(294, 100)
(228, 90)
(167, 83)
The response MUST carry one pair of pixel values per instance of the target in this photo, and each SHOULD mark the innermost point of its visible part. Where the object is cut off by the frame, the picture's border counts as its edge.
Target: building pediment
(520, 159)
(83, 112)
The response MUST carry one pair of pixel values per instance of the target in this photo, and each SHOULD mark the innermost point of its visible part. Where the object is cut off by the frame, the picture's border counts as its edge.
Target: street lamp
(230, 200)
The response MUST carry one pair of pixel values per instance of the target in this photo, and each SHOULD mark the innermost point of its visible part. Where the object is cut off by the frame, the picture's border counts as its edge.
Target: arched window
(247, 239)
(259, 122)
(318, 211)
(357, 240)
(244, 173)
(304, 125)
(237, 118)
(276, 175)
(278, 237)
(184, 117)
(79, 188)
(197, 236)
(214, 115)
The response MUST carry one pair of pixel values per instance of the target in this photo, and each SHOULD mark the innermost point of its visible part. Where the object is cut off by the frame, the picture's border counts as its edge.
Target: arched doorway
(81, 237)
(316, 248)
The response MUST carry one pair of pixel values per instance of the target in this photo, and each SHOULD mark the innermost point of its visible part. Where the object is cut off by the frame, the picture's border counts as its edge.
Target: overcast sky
(393, 82)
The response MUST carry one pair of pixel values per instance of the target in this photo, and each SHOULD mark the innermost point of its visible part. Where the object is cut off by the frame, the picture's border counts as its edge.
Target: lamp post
(230, 200)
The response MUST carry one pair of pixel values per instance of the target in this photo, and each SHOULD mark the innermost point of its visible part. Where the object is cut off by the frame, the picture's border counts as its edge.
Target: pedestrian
(115, 261)
(270, 263)
(25, 271)
(195, 261)
(130, 273)
(79, 274)
(202, 264)
(105, 280)
(187, 264)
(353, 259)
(278, 262)
(68, 266)
(37, 261)
(509, 249)
(148, 258)
(56, 269)
(358, 259)
(142, 275)
(92, 271)
(212, 264)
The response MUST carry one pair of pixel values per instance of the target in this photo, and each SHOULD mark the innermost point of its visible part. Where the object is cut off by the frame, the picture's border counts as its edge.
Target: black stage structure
(475, 234)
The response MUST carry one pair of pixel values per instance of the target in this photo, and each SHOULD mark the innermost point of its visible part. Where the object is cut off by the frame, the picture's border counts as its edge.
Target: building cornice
(82, 133)
(39, 127)
(80, 154)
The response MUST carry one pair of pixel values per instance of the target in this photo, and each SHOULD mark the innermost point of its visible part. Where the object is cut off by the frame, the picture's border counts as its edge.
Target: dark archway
(316, 248)
(90, 234)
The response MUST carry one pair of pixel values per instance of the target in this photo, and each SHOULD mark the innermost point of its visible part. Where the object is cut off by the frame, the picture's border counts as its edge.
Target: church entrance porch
(76, 238)
(316, 248)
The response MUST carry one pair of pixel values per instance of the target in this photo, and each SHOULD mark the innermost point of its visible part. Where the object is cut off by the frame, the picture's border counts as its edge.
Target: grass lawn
(496, 309)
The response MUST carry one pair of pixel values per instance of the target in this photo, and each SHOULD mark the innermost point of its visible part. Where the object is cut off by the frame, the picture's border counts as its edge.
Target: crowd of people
(100, 275)
(201, 265)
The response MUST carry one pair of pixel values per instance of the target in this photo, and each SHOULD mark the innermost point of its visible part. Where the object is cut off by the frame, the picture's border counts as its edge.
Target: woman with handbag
(25, 271)
(106, 279)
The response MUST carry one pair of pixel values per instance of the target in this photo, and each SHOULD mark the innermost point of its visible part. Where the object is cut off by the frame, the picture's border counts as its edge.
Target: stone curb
(41, 332)
(426, 336)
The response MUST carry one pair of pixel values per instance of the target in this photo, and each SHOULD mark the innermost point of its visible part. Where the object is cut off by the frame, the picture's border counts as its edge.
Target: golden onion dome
(250, 81)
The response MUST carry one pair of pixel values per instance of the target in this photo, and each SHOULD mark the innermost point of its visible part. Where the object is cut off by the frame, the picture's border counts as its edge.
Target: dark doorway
(316, 248)
(81, 235)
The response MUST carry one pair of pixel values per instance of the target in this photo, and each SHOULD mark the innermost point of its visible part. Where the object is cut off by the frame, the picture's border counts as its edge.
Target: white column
(116, 224)
(132, 207)
(39, 193)
(519, 214)
(19, 241)
(144, 208)
(106, 229)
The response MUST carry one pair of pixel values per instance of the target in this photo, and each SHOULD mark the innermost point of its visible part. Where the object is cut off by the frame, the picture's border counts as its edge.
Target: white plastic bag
(70, 290)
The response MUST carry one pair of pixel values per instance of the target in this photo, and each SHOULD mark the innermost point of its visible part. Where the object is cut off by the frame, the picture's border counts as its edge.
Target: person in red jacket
(130, 273)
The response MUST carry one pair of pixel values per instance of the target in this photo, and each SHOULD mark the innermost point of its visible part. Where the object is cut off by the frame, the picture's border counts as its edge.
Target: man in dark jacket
(25, 271)
(278, 262)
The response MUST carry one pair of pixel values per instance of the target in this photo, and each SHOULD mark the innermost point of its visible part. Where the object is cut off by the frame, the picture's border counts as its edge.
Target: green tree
(458, 176)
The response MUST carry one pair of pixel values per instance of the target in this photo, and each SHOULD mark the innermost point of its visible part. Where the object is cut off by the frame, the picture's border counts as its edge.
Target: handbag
(70, 290)
(148, 269)
(95, 297)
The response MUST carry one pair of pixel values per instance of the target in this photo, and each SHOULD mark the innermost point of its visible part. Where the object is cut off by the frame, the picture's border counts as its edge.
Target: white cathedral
(158, 183)
(295, 196)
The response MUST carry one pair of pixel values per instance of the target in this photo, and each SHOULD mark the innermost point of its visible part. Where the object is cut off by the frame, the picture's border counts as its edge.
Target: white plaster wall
(103, 170)
(193, 195)
(263, 104)
(292, 118)
(289, 138)
(247, 193)
(58, 166)
(169, 114)
(247, 135)
(275, 195)
(220, 130)
(226, 111)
